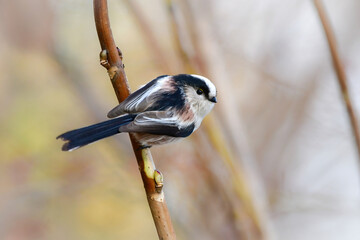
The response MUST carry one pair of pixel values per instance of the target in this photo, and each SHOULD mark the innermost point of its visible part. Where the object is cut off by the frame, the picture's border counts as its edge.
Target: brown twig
(340, 72)
(152, 179)
(245, 208)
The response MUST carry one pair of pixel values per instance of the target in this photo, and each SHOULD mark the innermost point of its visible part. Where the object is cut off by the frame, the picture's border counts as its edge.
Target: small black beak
(213, 100)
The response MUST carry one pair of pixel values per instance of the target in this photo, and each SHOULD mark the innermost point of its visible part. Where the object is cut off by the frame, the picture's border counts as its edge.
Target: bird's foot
(142, 147)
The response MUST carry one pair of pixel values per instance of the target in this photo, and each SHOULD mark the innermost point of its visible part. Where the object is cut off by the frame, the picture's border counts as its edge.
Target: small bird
(164, 110)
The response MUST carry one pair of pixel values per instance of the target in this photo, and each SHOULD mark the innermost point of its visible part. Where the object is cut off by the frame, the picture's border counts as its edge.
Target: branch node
(158, 197)
(113, 71)
(159, 181)
(104, 59)
(120, 53)
(149, 167)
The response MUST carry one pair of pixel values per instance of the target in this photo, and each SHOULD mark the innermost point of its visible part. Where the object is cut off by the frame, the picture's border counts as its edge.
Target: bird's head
(200, 92)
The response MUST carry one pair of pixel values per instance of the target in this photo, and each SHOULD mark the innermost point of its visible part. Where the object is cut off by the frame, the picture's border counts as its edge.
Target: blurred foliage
(275, 160)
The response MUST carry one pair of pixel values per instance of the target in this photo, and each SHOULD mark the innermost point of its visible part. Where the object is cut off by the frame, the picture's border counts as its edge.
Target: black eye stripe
(185, 79)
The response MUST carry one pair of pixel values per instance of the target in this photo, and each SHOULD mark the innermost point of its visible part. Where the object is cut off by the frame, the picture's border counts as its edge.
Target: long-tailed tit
(166, 109)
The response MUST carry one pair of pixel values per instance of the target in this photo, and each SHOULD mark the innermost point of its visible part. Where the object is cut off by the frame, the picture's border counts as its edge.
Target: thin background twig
(340, 72)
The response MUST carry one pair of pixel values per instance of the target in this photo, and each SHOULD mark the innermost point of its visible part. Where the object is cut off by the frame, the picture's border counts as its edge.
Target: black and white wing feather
(140, 100)
(158, 123)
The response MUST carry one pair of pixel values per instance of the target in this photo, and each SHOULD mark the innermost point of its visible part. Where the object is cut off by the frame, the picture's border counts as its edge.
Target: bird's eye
(199, 91)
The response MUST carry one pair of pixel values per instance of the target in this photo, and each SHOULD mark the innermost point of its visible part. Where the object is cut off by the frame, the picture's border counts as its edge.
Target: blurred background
(276, 158)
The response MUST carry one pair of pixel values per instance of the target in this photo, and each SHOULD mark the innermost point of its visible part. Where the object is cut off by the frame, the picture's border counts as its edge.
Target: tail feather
(86, 135)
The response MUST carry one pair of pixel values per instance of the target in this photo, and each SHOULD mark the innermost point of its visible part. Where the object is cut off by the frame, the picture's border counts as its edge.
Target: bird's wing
(158, 123)
(138, 101)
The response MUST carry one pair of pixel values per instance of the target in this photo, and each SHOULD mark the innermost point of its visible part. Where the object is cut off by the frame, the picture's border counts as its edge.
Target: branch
(152, 178)
(340, 72)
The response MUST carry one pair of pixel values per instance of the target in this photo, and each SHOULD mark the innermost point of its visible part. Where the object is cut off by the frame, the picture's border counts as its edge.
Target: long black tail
(83, 136)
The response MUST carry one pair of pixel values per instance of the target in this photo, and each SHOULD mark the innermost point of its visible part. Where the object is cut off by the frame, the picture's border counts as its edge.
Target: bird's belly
(148, 140)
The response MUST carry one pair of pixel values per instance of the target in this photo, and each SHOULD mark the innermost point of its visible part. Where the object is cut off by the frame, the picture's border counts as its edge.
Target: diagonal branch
(152, 178)
(340, 72)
